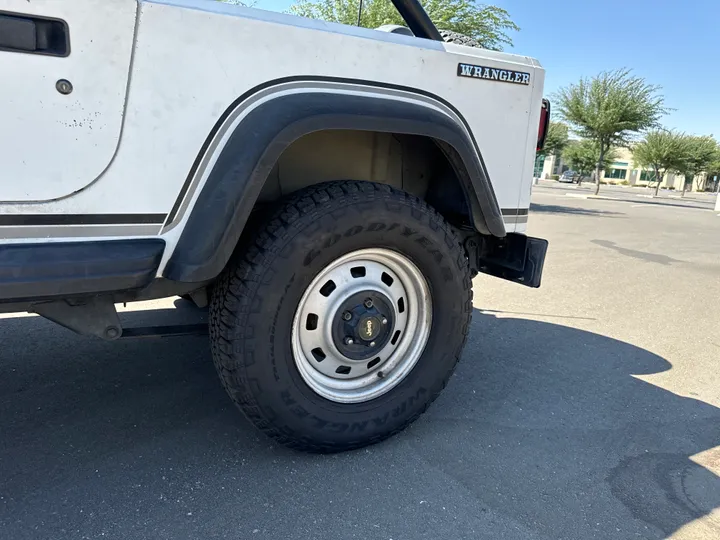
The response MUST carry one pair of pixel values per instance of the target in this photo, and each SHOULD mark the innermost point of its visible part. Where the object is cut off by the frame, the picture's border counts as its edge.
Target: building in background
(624, 172)
(549, 167)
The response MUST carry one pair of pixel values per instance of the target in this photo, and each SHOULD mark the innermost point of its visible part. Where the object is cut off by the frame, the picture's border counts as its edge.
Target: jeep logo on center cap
(368, 328)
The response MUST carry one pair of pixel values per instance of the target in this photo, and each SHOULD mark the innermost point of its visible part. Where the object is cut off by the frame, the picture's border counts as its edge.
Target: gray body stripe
(515, 220)
(76, 231)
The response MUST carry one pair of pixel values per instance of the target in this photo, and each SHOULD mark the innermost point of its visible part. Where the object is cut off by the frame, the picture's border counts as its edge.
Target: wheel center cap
(368, 328)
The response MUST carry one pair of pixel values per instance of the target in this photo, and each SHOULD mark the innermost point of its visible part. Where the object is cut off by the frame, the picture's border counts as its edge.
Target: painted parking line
(600, 197)
(670, 207)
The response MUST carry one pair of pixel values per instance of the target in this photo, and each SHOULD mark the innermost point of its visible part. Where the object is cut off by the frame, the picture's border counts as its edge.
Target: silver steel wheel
(361, 325)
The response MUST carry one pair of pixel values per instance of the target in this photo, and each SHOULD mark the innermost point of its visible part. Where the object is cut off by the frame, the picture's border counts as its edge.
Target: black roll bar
(417, 19)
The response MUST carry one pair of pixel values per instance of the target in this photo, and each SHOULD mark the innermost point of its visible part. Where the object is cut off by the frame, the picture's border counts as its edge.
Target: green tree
(700, 153)
(610, 109)
(583, 157)
(556, 139)
(662, 151)
(487, 24)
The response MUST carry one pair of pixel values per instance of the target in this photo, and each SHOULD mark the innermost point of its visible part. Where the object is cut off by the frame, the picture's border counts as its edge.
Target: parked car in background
(569, 177)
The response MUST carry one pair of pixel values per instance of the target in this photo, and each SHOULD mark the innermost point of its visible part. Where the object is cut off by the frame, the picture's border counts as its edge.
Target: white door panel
(193, 58)
(52, 145)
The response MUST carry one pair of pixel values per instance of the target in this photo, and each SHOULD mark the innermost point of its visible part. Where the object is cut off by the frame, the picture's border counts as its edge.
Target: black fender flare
(234, 182)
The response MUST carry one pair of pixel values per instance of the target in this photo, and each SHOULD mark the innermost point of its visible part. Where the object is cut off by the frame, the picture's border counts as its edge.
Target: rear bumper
(66, 269)
(515, 257)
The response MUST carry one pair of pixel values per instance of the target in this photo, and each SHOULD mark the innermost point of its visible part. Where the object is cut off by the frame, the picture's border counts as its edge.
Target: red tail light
(544, 123)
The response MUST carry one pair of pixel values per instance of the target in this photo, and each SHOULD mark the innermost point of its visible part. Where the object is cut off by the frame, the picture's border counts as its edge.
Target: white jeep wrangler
(329, 190)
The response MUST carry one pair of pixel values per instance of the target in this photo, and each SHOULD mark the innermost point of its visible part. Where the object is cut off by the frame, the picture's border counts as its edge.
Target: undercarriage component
(95, 316)
(148, 332)
(98, 317)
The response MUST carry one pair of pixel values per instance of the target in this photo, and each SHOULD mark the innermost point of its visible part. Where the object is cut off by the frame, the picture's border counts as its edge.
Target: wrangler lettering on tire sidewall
(305, 324)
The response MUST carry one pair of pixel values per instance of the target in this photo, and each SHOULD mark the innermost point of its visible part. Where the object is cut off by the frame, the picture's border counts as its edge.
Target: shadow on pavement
(560, 434)
(646, 256)
(575, 211)
(544, 432)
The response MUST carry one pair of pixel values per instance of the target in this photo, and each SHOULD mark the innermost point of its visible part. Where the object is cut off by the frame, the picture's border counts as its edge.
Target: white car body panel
(52, 145)
(190, 62)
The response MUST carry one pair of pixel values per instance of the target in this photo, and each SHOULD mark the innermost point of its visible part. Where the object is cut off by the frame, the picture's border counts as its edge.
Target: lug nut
(384, 320)
(372, 343)
(347, 316)
(368, 303)
(349, 341)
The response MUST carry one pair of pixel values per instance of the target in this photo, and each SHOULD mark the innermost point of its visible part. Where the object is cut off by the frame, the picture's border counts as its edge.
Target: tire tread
(234, 290)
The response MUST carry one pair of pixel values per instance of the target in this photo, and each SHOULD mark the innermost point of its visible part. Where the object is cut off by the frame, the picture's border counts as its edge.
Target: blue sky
(672, 43)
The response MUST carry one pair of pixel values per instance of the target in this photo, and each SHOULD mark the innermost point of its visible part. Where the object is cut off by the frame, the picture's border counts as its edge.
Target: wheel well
(416, 164)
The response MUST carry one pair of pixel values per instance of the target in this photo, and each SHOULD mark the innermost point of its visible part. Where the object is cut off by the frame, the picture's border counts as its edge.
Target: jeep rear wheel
(343, 318)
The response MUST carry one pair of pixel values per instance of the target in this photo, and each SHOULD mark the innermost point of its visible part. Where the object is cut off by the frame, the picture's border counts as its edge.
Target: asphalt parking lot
(589, 408)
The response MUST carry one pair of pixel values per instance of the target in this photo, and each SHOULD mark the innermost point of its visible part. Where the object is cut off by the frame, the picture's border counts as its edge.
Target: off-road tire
(255, 299)
(459, 39)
